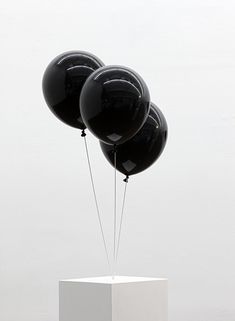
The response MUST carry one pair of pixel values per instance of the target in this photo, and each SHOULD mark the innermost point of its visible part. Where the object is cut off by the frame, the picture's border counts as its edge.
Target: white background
(180, 214)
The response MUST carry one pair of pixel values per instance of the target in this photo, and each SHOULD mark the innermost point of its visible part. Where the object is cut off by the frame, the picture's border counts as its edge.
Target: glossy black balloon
(140, 152)
(114, 104)
(63, 81)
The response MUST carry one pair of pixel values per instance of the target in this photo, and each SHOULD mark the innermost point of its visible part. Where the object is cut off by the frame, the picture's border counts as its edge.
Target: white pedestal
(123, 298)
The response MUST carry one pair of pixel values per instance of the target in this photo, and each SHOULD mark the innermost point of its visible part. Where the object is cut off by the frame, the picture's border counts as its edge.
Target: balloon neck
(83, 134)
(114, 148)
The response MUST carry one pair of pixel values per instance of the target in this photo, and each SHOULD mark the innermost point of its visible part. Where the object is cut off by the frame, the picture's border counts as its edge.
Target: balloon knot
(83, 134)
(126, 179)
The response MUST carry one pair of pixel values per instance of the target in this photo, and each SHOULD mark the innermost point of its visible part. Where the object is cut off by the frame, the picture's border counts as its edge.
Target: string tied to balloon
(122, 214)
(115, 207)
(95, 198)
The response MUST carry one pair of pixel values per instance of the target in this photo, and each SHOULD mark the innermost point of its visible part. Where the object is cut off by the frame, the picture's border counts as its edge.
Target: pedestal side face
(85, 301)
(140, 301)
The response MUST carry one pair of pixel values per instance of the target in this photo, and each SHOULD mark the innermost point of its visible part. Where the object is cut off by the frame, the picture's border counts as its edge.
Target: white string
(95, 197)
(121, 219)
(115, 209)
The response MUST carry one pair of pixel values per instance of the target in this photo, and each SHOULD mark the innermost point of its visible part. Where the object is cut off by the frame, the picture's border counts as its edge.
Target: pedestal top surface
(114, 280)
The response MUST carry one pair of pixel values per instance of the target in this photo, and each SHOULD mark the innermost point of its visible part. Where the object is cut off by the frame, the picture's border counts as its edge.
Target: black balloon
(114, 104)
(140, 152)
(63, 81)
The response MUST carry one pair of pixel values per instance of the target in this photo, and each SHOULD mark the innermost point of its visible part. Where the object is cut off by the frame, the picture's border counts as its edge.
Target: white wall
(180, 218)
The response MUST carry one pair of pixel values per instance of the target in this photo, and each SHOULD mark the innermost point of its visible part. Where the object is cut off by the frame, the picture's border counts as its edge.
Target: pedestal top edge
(113, 280)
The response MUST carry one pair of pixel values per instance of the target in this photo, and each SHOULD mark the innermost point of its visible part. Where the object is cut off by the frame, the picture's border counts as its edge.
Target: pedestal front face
(119, 299)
